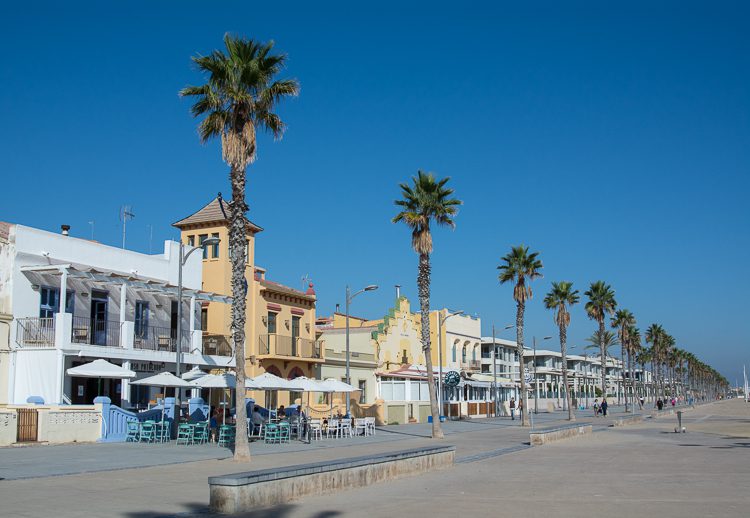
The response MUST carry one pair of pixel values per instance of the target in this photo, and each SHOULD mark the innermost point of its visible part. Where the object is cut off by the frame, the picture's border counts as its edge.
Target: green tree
(518, 267)
(655, 336)
(623, 321)
(424, 201)
(560, 298)
(603, 341)
(238, 99)
(600, 304)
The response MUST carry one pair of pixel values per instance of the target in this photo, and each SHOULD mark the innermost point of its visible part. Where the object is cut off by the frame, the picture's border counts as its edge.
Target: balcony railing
(217, 345)
(35, 332)
(155, 338)
(471, 365)
(280, 345)
(95, 331)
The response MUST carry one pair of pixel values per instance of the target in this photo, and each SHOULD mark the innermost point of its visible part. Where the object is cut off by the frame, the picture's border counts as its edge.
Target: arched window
(273, 370)
(295, 373)
(474, 353)
(454, 352)
(463, 354)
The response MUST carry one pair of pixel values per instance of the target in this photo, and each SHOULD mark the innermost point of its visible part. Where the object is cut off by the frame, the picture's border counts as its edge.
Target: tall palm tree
(561, 296)
(237, 100)
(603, 341)
(424, 201)
(635, 349)
(623, 321)
(519, 266)
(655, 336)
(601, 303)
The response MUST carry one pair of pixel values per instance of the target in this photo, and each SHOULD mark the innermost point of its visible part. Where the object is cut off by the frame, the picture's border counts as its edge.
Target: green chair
(133, 429)
(200, 433)
(184, 434)
(148, 432)
(226, 435)
(271, 434)
(285, 432)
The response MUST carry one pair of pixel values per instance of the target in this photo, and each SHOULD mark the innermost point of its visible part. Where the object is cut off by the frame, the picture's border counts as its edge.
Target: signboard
(452, 378)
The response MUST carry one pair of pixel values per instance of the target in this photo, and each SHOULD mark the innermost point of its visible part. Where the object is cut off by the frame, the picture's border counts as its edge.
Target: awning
(101, 369)
(133, 280)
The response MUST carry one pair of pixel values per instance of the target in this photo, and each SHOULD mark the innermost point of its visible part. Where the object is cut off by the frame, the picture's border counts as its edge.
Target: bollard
(679, 428)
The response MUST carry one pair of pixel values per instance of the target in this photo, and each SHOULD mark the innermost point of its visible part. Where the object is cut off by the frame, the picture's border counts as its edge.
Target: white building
(73, 301)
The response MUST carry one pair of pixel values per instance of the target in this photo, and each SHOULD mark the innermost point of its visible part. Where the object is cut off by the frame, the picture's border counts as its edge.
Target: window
(202, 239)
(463, 354)
(247, 251)
(215, 248)
(204, 319)
(454, 353)
(191, 240)
(49, 302)
(394, 389)
(362, 391)
(295, 334)
(141, 319)
(271, 323)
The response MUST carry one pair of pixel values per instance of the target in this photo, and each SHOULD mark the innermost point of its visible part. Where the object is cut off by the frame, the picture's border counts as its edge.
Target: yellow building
(280, 326)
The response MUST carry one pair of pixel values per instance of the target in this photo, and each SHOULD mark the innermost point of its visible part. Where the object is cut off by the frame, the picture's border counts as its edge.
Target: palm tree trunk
(603, 358)
(237, 247)
(423, 283)
(564, 353)
(622, 378)
(521, 367)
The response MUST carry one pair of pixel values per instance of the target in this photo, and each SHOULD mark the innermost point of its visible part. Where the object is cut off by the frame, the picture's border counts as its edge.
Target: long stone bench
(247, 491)
(540, 437)
(626, 420)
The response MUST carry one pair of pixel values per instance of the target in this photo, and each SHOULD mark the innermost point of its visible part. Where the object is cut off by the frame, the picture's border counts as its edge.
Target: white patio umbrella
(335, 385)
(308, 385)
(164, 379)
(100, 369)
(268, 381)
(226, 380)
(193, 374)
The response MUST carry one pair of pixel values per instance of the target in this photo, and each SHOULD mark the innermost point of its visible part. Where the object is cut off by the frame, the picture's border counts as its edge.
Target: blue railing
(115, 419)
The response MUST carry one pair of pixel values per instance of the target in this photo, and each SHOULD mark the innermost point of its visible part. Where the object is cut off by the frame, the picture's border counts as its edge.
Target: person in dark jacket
(604, 407)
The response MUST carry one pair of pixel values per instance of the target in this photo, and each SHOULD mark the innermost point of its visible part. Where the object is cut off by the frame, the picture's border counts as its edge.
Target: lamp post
(536, 380)
(349, 298)
(182, 261)
(494, 364)
(441, 321)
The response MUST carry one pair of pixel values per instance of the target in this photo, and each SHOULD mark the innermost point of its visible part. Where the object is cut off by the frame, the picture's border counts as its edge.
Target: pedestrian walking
(604, 407)
(659, 404)
(596, 408)
(512, 409)
(520, 409)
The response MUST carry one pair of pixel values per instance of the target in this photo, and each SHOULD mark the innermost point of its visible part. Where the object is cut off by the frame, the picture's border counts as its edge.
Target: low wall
(624, 421)
(8, 427)
(541, 437)
(61, 425)
(250, 490)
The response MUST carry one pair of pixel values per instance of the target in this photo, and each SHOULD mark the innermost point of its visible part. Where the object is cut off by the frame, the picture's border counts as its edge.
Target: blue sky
(614, 140)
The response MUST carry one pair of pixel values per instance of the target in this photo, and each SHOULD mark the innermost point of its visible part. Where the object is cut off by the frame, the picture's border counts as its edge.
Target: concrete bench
(626, 420)
(539, 437)
(247, 491)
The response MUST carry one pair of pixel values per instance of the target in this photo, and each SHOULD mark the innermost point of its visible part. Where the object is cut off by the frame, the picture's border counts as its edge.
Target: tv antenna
(305, 281)
(92, 222)
(150, 237)
(126, 214)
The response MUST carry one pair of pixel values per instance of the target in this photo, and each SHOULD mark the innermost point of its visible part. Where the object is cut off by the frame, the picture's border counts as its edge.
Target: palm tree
(655, 336)
(602, 341)
(558, 299)
(634, 351)
(518, 266)
(623, 321)
(601, 303)
(238, 99)
(423, 202)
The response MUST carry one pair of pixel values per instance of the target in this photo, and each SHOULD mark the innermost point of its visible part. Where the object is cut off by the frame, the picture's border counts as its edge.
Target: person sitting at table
(257, 417)
(281, 412)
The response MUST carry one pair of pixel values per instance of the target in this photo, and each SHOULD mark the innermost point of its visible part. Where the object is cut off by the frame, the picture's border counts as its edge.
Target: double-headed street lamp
(211, 241)
(441, 321)
(349, 298)
(536, 380)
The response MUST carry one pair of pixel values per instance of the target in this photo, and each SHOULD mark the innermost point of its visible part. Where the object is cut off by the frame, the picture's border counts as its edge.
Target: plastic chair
(316, 429)
(360, 425)
(200, 433)
(133, 429)
(285, 432)
(272, 433)
(333, 428)
(148, 432)
(226, 435)
(370, 422)
(185, 434)
(345, 427)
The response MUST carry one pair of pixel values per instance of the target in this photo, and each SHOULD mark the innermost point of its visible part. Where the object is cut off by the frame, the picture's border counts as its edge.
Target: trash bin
(429, 418)
(679, 423)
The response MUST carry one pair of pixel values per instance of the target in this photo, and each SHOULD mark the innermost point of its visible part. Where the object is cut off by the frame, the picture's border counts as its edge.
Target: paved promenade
(655, 468)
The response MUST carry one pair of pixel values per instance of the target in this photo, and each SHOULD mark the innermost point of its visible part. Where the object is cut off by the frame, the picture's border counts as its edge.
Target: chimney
(65, 229)
(398, 291)
(338, 308)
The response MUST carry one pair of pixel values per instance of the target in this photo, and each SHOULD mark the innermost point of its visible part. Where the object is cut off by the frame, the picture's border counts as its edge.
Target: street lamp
(494, 364)
(536, 380)
(349, 298)
(441, 321)
(183, 260)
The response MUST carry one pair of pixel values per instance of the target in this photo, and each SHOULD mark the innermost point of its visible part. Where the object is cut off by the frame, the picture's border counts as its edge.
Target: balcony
(471, 365)
(217, 345)
(93, 331)
(35, 332)
(273, 345)
(163, 339)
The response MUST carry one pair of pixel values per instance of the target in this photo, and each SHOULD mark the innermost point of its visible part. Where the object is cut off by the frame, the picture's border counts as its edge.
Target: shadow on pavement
(198, 510)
